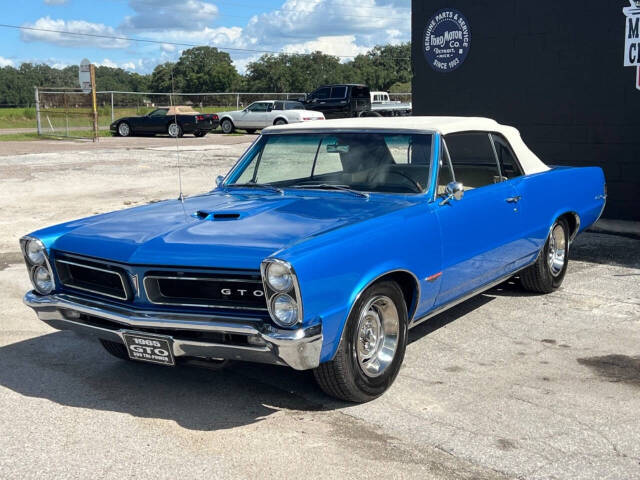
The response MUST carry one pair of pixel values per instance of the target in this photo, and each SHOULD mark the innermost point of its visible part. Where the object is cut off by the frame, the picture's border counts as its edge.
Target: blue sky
(332, 26)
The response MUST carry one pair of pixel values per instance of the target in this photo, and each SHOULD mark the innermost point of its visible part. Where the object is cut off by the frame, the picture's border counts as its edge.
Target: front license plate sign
(147, 348)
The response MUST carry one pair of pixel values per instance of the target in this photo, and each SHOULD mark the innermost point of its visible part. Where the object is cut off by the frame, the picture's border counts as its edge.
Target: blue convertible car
(319, 249)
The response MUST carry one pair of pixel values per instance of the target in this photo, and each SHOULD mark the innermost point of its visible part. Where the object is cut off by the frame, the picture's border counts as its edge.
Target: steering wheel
(418, 187)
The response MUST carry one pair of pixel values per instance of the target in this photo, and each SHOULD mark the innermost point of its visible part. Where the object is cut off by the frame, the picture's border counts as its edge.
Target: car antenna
(175, 121)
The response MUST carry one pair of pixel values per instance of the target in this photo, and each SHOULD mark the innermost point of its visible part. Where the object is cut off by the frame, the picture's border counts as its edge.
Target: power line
(177, 44)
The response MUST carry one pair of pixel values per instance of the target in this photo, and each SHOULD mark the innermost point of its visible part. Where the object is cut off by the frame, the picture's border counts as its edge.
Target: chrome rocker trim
(299, 349)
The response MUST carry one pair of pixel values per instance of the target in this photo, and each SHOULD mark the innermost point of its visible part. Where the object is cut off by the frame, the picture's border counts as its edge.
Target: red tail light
(200, 117)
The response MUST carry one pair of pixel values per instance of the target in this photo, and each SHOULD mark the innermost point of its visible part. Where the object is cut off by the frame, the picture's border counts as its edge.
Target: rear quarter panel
(548, 195)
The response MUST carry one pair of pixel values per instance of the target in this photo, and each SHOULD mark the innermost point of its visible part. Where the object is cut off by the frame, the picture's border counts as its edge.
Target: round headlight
(35, 252)
(279, 277)
(42, 280)
(285, 309)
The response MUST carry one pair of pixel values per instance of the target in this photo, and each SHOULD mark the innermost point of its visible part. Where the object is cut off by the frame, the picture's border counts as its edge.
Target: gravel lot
(506, 385)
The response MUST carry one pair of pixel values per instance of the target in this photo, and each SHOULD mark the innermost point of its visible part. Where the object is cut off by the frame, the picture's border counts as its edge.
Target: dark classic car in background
(174, 121)
(320, 249)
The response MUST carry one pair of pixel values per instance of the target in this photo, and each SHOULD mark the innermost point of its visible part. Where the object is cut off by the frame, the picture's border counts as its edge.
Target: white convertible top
(443, 125)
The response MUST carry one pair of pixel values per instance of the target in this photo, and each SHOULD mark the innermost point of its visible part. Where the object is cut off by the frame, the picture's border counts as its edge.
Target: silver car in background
(265, 113)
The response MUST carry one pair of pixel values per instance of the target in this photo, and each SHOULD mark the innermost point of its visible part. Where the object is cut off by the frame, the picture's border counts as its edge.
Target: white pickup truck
(382, 104)
(265, 113)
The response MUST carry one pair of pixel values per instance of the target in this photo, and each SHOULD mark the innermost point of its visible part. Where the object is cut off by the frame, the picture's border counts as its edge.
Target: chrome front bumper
(299, 349)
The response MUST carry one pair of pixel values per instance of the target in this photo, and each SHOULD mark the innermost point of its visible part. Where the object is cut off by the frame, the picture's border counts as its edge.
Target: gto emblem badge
(241, 292)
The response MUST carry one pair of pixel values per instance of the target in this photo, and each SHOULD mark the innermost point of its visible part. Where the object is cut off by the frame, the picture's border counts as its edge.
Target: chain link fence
(64, 112)
(68, 113)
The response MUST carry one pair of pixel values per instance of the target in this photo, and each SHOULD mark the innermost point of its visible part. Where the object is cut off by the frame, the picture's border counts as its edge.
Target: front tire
(371, 349)
(227, 126)
(547, 274)
(124, 130)
(174, 130)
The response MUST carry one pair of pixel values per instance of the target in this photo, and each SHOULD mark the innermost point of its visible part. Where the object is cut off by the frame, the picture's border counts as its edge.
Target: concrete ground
(506, 385)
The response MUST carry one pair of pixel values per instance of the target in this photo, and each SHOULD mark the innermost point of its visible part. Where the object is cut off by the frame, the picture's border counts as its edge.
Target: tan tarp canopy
(181, 110)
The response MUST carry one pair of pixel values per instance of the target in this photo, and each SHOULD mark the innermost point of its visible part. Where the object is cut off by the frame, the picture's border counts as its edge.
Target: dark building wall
(553, 69)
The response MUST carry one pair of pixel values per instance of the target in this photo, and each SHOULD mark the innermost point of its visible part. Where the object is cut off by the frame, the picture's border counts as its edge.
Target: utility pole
(94, 102)
(38, 123)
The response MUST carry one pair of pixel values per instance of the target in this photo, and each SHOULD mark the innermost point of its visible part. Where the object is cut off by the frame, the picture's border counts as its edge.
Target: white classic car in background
(265, 113)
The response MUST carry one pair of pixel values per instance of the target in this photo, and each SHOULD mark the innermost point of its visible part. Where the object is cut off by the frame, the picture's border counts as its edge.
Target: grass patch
(23, 137)
(77, 117)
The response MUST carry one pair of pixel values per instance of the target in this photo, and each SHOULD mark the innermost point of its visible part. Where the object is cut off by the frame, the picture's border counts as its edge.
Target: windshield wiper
(331, 186)
(266, 186)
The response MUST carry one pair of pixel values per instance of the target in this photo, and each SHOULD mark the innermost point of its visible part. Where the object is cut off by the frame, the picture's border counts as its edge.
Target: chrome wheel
(227, 126)
(174, 130)
(557, 250)
(377, 335)
(124, 130)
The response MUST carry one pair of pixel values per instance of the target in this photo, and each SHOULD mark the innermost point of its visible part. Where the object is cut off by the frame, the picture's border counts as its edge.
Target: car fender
(336, 267)
(227, 117)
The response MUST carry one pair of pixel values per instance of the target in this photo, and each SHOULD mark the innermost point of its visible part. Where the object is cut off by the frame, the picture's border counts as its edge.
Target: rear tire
(227, 126)
(280, 121)
(363, 367)
(547, 274)
(116, 349)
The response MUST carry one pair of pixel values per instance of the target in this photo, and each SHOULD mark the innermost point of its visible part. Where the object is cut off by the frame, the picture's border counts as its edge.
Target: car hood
(226, 230)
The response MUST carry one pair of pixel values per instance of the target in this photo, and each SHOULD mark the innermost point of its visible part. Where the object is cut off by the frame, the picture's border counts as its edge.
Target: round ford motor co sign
(447, 40)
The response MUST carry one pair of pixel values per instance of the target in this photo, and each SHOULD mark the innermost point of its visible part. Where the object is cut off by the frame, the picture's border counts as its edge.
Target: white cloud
(334, 45)
(6, 62)
(169, 15)
(106, 63)
(111, 64)
(75, 26)
(55, 2)
(370, 23)
(298, 26)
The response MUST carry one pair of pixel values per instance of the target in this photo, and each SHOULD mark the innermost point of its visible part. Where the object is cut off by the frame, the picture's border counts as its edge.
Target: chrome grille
(93, 277)
(205, 290)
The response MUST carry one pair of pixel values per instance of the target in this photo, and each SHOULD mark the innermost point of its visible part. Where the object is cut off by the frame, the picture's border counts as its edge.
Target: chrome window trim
(206, 305)
(97, 292)
(495, 156)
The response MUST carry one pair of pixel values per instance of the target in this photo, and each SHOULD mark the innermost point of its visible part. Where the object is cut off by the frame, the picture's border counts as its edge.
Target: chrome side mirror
(219, 180)
(453, 190)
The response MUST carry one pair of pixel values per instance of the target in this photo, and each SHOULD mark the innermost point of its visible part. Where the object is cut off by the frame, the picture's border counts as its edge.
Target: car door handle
(515, 199)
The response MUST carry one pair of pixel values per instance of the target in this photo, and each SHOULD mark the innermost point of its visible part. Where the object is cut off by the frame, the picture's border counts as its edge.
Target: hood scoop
(217, 216)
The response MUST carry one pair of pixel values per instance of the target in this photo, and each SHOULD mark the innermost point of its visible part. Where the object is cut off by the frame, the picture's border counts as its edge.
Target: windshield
(366, 162)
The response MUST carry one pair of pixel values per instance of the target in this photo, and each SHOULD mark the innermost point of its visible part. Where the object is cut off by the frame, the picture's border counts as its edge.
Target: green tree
(161, 78)
(205, 69)
(293, 72)
(383, 66)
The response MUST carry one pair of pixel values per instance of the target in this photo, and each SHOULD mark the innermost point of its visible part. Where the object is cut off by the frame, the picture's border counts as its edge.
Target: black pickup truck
(340, 101)
(175, 121)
